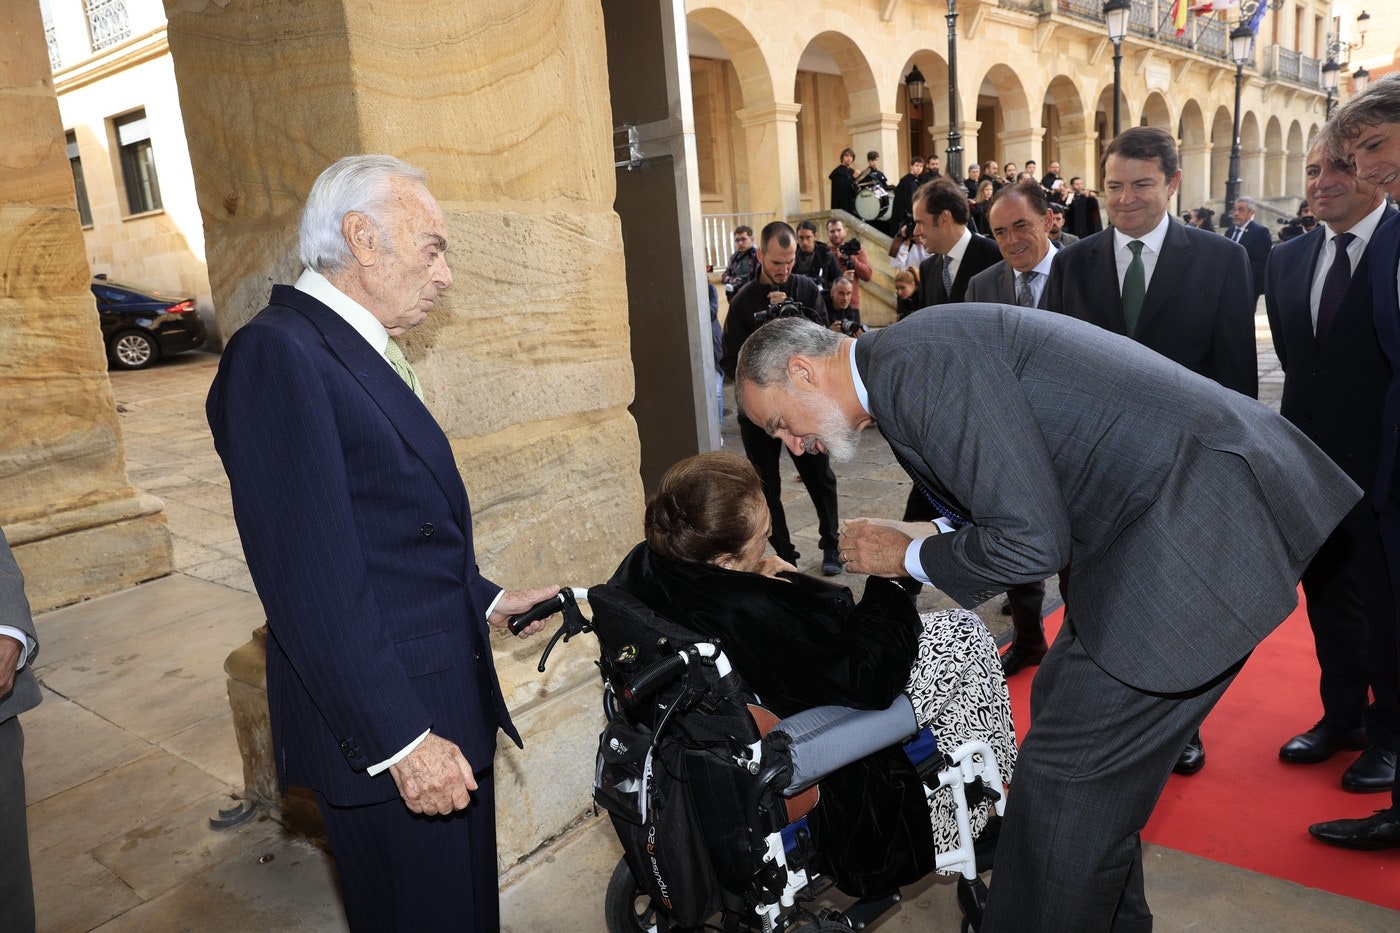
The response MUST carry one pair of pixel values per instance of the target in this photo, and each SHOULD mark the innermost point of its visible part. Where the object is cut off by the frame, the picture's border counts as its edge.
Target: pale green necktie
(400, 363)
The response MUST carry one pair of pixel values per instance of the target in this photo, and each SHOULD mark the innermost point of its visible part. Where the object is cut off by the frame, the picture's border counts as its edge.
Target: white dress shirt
(1363, 230)
(1151, 251)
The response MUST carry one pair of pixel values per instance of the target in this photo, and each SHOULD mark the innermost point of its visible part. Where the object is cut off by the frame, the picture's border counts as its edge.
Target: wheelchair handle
(544, 610)
(660, 670)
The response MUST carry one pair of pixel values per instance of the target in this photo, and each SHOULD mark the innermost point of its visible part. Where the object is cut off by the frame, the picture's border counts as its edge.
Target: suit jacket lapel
(1006, 283)
(1356, 307)
(1170, 272)
(1295, 301)
(1105, 283)
(409, 416)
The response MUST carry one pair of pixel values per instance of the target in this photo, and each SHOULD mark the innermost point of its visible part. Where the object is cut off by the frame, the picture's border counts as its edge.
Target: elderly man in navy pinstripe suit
(358, 535)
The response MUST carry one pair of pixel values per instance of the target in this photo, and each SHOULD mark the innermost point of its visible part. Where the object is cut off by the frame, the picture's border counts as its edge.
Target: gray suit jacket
(1185, 511)
(997, 285)
(14, 612)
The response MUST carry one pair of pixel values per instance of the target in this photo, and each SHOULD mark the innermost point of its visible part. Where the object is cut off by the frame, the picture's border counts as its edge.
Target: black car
(140, 325)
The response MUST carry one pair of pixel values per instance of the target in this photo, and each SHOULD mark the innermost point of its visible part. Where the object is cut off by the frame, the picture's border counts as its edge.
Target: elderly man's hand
(9, 660)
(876, 547)
(514, 602)
(434, 778)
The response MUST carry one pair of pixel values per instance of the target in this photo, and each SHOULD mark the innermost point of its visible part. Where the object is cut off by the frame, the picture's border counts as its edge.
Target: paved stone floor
(133, 751)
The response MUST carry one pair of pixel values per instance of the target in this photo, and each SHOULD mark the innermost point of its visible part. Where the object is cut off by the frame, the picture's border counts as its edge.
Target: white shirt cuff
(912, 565)
(492, 608)
(25, 647)
(388, 763)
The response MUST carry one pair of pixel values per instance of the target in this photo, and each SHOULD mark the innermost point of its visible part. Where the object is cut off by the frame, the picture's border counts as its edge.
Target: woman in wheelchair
(800, 642)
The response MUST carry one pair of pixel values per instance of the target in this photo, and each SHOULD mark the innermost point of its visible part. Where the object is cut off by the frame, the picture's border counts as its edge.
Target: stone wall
(77, 527)
(524, 361)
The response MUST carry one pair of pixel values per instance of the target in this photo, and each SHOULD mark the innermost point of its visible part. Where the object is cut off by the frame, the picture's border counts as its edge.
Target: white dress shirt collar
(355, 314)
(862, 396)
(1152, 240)
(1363, 229)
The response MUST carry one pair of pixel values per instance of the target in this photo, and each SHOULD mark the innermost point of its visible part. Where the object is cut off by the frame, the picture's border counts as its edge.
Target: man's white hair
(355, 183)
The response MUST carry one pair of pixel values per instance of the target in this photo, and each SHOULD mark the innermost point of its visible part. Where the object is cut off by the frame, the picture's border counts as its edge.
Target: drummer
(871, 176)
(855, 264)
(873, 180)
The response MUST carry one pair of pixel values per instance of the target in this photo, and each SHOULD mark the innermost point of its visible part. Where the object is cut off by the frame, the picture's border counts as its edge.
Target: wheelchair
(708, 792)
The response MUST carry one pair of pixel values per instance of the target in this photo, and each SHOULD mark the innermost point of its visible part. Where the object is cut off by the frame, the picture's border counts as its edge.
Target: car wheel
(132, 349)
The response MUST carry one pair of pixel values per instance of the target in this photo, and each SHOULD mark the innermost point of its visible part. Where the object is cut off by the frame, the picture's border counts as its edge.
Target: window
(55, 59)
(84, 209)
(107, 22)
(138, 163)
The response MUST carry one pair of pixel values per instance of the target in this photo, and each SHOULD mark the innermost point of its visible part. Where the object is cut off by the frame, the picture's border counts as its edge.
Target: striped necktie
(400, 363)
(947, 266)
(1025, 293)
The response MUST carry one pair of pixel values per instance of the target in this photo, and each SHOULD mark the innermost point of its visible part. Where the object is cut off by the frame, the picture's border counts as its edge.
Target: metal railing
(51, 35)
(718, 232)
(108, 23)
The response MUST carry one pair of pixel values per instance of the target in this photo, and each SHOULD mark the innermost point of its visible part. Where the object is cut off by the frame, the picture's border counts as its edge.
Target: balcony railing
(51, 35)
(108, 23)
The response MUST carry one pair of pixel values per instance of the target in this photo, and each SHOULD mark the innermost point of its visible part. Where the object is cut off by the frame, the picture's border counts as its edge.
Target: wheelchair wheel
(626, 909)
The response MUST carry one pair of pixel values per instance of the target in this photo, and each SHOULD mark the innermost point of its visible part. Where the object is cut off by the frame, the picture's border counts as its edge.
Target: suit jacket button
(427, 530)
(476, 656)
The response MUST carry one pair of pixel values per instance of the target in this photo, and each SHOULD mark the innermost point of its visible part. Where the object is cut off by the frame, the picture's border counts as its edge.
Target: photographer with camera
(742, 265)
(907, 250)
(778, 292)
(844, 319)
(850, 255)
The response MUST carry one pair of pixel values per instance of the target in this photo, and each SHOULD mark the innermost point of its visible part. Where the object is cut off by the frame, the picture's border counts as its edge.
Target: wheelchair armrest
(820, 740)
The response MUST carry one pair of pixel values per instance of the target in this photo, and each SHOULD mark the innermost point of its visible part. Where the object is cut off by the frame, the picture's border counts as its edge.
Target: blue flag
(1252, 13)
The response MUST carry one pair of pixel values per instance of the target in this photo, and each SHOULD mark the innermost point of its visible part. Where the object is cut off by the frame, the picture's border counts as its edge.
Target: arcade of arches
(777, 97)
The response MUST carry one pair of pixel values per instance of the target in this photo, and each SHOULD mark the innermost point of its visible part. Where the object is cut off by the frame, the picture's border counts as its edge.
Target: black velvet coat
(801, 642)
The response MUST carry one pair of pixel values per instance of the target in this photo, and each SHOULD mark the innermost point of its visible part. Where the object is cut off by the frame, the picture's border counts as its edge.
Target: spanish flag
(1179, 9)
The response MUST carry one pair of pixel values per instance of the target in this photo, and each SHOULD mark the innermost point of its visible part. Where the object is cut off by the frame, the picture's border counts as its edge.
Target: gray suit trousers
(16, 883)
(1086, 798)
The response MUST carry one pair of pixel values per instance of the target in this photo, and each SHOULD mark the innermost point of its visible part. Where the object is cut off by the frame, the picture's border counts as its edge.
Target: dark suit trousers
(16, 881)
(1352, 614)
(402, 871)
(764, 453)
(1027, 599)
(1069, 857)
(1390, 541)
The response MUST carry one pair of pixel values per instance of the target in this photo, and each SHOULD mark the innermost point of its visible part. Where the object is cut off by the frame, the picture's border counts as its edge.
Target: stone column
(76, 525)
(1273, 173)
(1294, 182)
(1079, 155)
(1252, 172)
(1021, 145)
(1195, 175)
(770, 139)
(880, 132)
(525, 360)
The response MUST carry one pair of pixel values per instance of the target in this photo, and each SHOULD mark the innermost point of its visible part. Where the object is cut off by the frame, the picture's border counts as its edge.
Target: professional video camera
(849, 247)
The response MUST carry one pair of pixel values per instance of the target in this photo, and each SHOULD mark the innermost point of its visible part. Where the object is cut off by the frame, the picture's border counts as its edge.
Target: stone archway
(1251, 156)
(1006, 131)
(832, 70)
(1222, 137)
(1195, 156)
(1274, 156)
(927, 124)
(1103, 123)
(1294, 183)
(1069, 139)
(1155, 112)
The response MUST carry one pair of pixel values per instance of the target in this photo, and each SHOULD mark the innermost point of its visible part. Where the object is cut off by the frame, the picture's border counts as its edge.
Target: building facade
(779, 93)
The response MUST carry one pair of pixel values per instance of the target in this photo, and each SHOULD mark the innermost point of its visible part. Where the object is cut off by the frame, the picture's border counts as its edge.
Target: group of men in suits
(1364, 134)
(358, 535)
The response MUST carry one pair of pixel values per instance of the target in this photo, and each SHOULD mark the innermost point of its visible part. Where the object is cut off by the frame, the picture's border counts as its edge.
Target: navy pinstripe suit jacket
(358, 535)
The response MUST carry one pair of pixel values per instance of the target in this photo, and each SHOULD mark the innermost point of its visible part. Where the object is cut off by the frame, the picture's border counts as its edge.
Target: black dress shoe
(831, 562)
(1193, 756)
(1373, 771)
(1017, 657)
(1005, 607)
(1381, 830)
(1320, 743)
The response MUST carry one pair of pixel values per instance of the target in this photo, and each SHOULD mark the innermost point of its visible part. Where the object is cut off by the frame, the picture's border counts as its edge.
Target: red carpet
(1247, 808)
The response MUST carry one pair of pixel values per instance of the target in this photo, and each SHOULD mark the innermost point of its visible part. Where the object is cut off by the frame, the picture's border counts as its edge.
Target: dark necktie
(946, 511)
(1334, 287)
(1239, 234)
(1025, 292)
(946, 265)
(1134, 288)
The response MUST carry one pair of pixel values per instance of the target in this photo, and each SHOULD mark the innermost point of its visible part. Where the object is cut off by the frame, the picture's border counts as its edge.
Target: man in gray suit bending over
(19, 692)
(1185, 511)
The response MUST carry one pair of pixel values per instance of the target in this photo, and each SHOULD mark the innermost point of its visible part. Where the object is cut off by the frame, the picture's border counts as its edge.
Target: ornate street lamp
(955, 169)
(1359, 79)
(1241, 46)
(1115, 14)
(914, 85)
(1329, 81)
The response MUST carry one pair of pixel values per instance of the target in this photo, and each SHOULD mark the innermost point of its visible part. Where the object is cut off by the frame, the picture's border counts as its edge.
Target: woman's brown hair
(704, 508)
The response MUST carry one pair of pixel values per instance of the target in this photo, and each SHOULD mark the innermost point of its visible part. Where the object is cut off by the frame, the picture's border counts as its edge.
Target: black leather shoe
(1193, 756)
(1017, 658)
(831, 562)
(1373, 771)
(1005, 607)
(1320, 743)
(1381, 830)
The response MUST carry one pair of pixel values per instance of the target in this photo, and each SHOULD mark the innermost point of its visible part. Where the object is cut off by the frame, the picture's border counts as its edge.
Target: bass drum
(874, 203)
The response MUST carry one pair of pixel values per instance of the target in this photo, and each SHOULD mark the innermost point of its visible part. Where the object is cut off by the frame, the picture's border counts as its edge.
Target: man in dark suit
(1082, 215)
(1318, 295)
(904, 191)
(941, 215)
(1366, 129)
(1254, 237)
(1185, 293)
(19, 693)
(1186, 523)
(1019, 216)
(358, 536)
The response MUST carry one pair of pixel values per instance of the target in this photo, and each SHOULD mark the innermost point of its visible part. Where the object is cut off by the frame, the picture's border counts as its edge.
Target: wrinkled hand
(874, 547)
(434, 778)
(9, 658)
(514, 602)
